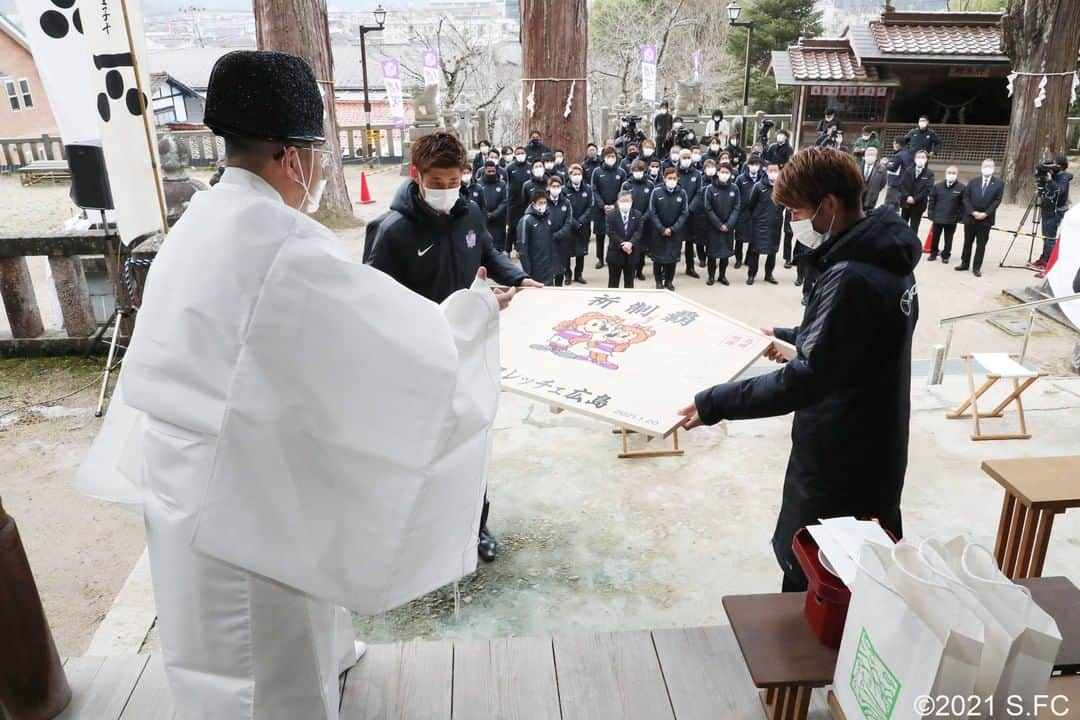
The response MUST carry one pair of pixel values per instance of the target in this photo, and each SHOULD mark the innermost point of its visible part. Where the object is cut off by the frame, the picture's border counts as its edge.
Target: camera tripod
(1036, 217)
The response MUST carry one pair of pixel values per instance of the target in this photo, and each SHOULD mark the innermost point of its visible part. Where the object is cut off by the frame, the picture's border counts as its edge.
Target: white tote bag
(947, 614)
(1034, 637)
(889, 656)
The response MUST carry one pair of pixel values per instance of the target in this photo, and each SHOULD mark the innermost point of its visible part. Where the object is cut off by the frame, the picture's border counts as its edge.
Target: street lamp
(733, 11)
(380, 19)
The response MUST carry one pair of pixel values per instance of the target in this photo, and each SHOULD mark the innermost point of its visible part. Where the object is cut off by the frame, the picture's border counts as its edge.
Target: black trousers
(977, 235)
(601, 234)
(913, 215)
(740, 241)
(715, 264)
(625, 270)
(788, 235)
(688, 251)
(664, 272)
(946, 229)
(1050, 223)
(752, 263)
(513, 217)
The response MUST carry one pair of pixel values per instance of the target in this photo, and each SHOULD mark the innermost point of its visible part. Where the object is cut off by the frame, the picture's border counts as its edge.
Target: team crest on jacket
(470, 239)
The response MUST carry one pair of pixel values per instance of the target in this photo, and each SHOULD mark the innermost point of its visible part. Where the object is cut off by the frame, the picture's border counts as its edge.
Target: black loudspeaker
(89, 179)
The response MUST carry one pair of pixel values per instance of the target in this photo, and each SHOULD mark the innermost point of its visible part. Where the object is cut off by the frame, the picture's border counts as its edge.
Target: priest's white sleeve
(352, 456)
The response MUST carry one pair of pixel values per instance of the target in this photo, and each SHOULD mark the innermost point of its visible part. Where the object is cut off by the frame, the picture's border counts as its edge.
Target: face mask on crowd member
(554, 190)
(549, 165)
(520, 156)
(773, 172)
(538, 170)
(723, 174)
(663, 108)
(485, 148)
(466, 178)
(314, 180)
(951, 174)
(558, 158)
(923, 123)
(988, 168)
(920, 159)
(696, 157)
(624, 206)
(540, 206)
(781, 137)
(714, 147)
(490, 173)
(710, 168)
(654, 171)
(609, 160)
(685, 161)
(753, 169)
(575, 177)
(639, 174)
(804, 231)
(591, 152)
(441, 188)
(648, 150)
(870, 157)
(534, 139)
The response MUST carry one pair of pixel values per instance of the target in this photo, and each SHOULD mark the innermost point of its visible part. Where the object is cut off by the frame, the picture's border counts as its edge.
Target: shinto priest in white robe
(302, 433)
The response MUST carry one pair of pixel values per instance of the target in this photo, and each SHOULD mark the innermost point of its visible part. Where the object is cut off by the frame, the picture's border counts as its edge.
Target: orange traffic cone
(929, 239)
(365, 194)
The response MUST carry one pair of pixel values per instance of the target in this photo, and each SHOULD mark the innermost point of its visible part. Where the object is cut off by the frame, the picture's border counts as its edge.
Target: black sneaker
(723, 280)
(487, 546)
(599, 264)
(798, 282)
(932, 257)
(670, 287)
(960, 268)
(738, 264)
(945, 258)
(710, 282)
(580, 281)
(750, 280)
(771, 280)
(787, 264)
(692, 272)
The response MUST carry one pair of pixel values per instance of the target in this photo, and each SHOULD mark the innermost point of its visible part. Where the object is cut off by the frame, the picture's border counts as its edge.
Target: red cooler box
(827, 598)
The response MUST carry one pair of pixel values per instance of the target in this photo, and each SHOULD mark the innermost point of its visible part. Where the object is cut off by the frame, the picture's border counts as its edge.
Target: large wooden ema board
(632, 358)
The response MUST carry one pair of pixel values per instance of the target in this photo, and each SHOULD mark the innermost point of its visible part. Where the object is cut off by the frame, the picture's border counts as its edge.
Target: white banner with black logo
(54, 31)
(114, 34)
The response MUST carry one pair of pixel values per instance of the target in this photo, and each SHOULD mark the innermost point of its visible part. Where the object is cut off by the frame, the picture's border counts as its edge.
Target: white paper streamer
(1009, 85)
(530, 101)
(569, 99)
(1041, 97)
(1075, 87)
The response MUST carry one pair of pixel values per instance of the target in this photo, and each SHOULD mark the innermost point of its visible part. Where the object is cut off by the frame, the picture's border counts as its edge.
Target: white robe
(302, 433)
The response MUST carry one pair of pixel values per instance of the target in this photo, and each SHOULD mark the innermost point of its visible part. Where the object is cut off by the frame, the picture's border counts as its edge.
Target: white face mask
(714, 147)
(609, 161)
(696, 157)
(870, 158)
(724, 177)
(520, 158)
(670, 184)
(773, 176)
(638, 174)
(575, 179)
(684, 163)
(710, 171)
(987, 171)
(441, 201)
(554, 192)
(538, 172)
(484, 149)
(647, 152)
(558, 159)
(542, 209)
(923, 124)
(920, 162)
(678, 125)
(674, 157)
(804, 231)
(625, 208)
(950, 177)
(549, 166)
(466, 178)
(312, 196)
(753, 170)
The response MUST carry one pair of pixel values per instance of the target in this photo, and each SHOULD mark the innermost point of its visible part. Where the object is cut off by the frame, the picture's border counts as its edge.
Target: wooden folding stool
(998, 366)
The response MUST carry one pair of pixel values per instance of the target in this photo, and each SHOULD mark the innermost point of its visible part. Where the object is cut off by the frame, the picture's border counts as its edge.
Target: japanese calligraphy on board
(629, 357)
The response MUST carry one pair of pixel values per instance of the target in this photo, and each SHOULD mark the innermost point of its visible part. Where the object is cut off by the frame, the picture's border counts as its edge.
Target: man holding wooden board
(850, 379)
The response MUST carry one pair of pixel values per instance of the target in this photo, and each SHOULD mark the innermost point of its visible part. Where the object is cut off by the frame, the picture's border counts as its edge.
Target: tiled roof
(926, 39)
(809, 63)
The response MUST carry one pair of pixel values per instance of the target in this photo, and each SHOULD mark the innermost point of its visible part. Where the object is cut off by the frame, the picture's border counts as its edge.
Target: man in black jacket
(580, 195)
(591, 162)
(433, 242)
(1055, 203)
(981, 199)
(518, 173)
(607, 180)
(496, 199)
(536, 243)
(945, 208)
(849, 382)
(536, 149)
(915, 185)
(669, 211)
(624, 226)
(923, 138)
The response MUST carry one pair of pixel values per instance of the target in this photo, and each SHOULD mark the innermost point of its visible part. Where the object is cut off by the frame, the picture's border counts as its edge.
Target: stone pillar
(71, 289)
(20, 303)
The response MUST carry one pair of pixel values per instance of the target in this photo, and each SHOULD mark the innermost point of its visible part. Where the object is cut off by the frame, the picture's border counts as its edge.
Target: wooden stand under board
(999, 366)
(628, 453)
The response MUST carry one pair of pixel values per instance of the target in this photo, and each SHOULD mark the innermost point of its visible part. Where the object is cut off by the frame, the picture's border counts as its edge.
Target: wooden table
(1036, 489)
(786, 661)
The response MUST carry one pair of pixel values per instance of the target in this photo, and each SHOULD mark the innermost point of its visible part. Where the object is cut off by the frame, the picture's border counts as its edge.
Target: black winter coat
(475, 193)
(919, 139)
(517, 174)
(537, 247)
(561, 215)
(744, 228)
(642, 191)
(946, 205)
(667, 209)
(900, 161)
(766, 219)
(588, 165)
(849, 384)
(530, 185)
(690, 180)
(722, 204)
(606, 183)
(779, 154)
(434, 254)
(581, 202)
(535, 151)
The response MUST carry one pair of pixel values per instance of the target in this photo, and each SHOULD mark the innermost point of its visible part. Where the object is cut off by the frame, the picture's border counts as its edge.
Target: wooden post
(20, 303)
(554, 44)
(74, 295)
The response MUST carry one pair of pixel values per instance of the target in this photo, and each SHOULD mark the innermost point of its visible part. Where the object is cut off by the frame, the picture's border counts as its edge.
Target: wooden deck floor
(682, 674)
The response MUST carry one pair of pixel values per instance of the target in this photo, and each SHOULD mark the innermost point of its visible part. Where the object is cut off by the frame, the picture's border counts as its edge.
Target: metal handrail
(950, 322)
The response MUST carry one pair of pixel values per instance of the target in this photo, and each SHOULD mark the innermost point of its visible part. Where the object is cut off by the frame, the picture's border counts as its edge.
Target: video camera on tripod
(629, 123)
(763, 132)
(1044, 172)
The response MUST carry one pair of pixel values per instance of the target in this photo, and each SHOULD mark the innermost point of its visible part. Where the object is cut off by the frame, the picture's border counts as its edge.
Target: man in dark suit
(981, 199)
(624, 226)
(874, 178)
